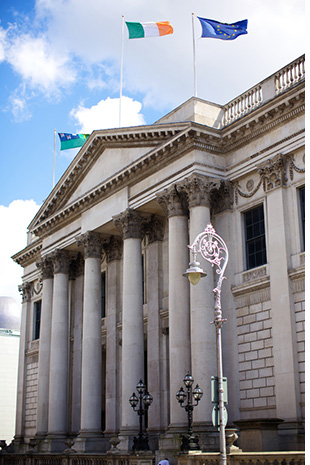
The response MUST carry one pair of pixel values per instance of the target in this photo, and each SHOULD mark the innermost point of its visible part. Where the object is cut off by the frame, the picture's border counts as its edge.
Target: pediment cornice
(167, 141)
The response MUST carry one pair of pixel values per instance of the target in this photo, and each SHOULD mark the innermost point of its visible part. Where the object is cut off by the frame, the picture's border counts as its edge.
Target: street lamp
(144, 400)
(213, 249)
(190, 442)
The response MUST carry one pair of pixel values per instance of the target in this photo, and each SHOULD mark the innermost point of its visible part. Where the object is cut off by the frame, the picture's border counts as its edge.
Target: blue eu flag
(224, 31)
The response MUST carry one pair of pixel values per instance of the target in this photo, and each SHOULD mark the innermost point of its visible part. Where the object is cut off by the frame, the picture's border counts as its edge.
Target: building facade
(105, 302)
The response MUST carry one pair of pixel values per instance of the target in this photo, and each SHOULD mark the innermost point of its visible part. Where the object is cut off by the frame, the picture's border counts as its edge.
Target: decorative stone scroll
(129, 223)
(153, 228)
(92, 244)
(173, 202)
(221, 197)
(197, 189)
(273, 172)
(293, 167)
(25, 290)
(60, 260)
(113, 249)
(46, 267)
(76, 267)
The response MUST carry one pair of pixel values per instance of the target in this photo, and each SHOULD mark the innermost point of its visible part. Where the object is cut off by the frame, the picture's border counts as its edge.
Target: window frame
(37, 305)
(103, 289)
(262, 236)
(301, 216)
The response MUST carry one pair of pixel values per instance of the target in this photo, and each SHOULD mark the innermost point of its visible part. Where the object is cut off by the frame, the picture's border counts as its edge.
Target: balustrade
(251, 99)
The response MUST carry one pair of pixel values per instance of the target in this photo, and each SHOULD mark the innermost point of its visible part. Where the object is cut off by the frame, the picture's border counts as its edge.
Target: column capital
(129, 223)
(76, 267)
(91, 243)
(172, 201)
(25, 290)
(154, 228)
(197, 189)
(46, 267)
(113, 249)
(222, 197)
(61, 261)
(273, 172)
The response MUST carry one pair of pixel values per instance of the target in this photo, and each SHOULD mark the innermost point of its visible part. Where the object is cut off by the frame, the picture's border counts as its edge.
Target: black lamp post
(191, 441)
(144, 400)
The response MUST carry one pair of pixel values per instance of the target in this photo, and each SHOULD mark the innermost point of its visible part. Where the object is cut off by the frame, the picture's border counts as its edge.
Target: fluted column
(45, 345)
(77, 271)
(91, 388)
(203, 344)
(129, 223)
(179, 317)
(155, 232)
(57, 417)
(26, 291)
(113, 252)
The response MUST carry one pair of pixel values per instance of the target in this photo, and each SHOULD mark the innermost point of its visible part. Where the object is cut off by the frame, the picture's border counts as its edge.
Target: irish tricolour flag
(141, 30)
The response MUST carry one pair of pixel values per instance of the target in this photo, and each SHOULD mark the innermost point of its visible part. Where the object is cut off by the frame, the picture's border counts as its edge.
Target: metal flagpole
(194, 55)
(54, 158)
(121, 75)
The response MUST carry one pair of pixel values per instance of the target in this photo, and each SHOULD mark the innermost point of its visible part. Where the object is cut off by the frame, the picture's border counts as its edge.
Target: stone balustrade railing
(272, 86)
(241, 458)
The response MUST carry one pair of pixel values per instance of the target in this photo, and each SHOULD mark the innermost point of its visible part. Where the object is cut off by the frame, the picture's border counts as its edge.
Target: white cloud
(2, 44)
(106, 114)
(71, 43)
(34, 59)
(14, 220)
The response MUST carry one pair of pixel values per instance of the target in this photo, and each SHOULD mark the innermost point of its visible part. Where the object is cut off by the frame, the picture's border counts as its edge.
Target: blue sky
(60, 66)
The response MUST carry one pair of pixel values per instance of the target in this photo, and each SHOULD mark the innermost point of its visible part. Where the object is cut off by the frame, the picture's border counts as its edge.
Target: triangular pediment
(102, 159)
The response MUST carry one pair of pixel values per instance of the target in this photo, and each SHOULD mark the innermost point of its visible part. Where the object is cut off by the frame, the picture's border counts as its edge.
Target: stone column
(129, 223)
(57, 417)
(114, 254)
(26, 291)
(203, 343)
(179, 318)
(283, 324)
(77, 329)
(155, 233)
(91, 388)
(46, 266)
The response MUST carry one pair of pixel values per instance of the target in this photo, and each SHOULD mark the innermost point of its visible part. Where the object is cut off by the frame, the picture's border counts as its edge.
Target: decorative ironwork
(143, 401)
(189, 442)
(214, 250)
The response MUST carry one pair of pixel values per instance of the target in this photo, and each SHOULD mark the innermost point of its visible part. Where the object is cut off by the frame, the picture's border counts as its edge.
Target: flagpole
(121, 75)
(54, 158)
(194, 56)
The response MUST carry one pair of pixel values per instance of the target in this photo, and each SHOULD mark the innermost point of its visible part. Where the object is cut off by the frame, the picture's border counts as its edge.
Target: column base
(259, 434)
(292, 435)
(91, 442)
(53, 442)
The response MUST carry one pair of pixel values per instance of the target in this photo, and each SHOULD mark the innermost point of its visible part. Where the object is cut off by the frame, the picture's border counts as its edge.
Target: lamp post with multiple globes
(144, 400)
(191, 441)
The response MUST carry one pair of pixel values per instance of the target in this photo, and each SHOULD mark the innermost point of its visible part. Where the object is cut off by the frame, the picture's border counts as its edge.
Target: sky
(60, 63)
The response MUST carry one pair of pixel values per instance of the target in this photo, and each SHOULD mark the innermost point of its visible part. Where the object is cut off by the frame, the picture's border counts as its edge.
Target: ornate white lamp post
(213, 249)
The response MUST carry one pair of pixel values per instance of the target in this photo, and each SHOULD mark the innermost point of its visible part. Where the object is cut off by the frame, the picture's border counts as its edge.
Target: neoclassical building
(105, 302)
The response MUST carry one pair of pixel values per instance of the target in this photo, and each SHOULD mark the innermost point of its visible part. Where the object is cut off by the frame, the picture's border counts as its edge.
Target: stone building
(105, 303)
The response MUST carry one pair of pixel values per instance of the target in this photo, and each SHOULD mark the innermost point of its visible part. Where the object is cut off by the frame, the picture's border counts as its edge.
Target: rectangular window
(255, 243)
(36, 319)
(103, 294)
(302, 215)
